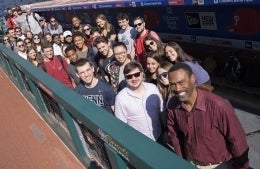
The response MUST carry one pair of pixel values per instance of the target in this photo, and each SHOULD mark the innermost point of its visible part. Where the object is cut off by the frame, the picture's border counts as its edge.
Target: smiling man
(202, 127)
(140, 103)
(92, 88)
(126, 34)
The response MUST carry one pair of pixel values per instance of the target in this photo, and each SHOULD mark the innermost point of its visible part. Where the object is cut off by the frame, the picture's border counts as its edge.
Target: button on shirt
(141, 114)
(209, 133)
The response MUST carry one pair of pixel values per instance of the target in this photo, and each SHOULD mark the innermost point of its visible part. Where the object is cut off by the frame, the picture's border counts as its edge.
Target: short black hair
(69, 48)
(181, 65)
(119, 44)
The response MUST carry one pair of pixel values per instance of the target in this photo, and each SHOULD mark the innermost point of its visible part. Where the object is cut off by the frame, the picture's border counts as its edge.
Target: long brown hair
(182, 56)
(164, 90)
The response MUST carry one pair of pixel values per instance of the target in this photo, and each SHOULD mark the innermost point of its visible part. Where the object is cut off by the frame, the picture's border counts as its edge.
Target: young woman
(54, 27)
(105, 28)
(37, 43)
(162, 80)
(33, 57)
(47, 38)
(152, 44)
(175, 53)
(152, 64)
(77, 26)
(5, 40)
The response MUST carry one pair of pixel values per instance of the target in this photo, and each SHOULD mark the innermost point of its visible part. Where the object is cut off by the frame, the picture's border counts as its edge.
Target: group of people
(154, 87)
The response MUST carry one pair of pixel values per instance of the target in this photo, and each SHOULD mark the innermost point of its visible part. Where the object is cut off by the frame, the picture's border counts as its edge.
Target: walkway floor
(26, 141)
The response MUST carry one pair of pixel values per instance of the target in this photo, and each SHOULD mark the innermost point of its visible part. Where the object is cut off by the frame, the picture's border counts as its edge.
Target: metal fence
(96, 137)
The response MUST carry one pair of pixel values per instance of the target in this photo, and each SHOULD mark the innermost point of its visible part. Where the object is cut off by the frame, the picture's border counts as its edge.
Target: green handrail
(123, 144)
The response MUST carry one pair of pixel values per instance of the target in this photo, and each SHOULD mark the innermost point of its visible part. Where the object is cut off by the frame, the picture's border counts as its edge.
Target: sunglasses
(27, 42)
(5, 39)
(36, 38)
(87, 29)
(150, 44)
(20, 46)
(18, 31)
(164, 74)
(138, 24)
(52, 21)
(131, 75)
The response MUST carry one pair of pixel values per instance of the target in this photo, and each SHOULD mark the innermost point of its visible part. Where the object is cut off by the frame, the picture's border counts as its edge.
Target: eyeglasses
(20, 46)
(164, 74)
(87, 29)
(36, 38)
(5, 39)
(27, 42)
(150, 44)
(131, 75)
(120, 53)
(18, 31)
(138, 24)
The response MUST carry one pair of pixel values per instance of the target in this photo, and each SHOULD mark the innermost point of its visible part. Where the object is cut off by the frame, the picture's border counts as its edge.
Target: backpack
(232, 69)
(43, 67)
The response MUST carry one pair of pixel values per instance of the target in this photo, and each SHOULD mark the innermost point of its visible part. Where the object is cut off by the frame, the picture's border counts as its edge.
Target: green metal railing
(96, 137)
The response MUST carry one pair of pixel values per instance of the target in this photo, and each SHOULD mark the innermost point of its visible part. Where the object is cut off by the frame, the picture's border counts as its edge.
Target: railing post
(37, 96)
(73, 132)
(115, 160)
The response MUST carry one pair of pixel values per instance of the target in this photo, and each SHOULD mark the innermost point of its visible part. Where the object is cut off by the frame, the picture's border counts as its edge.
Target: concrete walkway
(26, 141)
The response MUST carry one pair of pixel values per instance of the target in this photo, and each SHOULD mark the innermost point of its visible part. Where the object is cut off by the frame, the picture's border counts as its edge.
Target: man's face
(72, 55)
(9, 12)
(86, 73)
(103, 48)
(120, 54)
(57, 40)
(79, 42)
(20, 12)
(181, 84)
(123, 24)
(48, 53)
(20, 46)
(11, 33)
(134, 78)
(139, 25)
(28, 11)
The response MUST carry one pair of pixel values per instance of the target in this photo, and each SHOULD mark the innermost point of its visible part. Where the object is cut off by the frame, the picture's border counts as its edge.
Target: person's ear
(193, 78)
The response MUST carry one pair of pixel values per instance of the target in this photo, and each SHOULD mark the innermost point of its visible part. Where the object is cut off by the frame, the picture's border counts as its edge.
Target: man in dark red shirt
(202, 127)
(142, 32)
(55, 66)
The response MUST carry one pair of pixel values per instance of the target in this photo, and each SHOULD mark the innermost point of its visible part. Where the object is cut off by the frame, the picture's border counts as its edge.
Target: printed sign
(201, 20)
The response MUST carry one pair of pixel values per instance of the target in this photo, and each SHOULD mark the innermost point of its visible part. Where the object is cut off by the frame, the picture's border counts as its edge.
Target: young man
(10, 19)
(81, 46)
(126, 34)
(70, 53)
(55, 66)
(33, 21)
(202, 127)
(20, 48)
(120, 52)
(139, 25)
(92, 88)
(12, 39)
(104, 57)
(140, 103)
(18, 33)
(20, 20)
